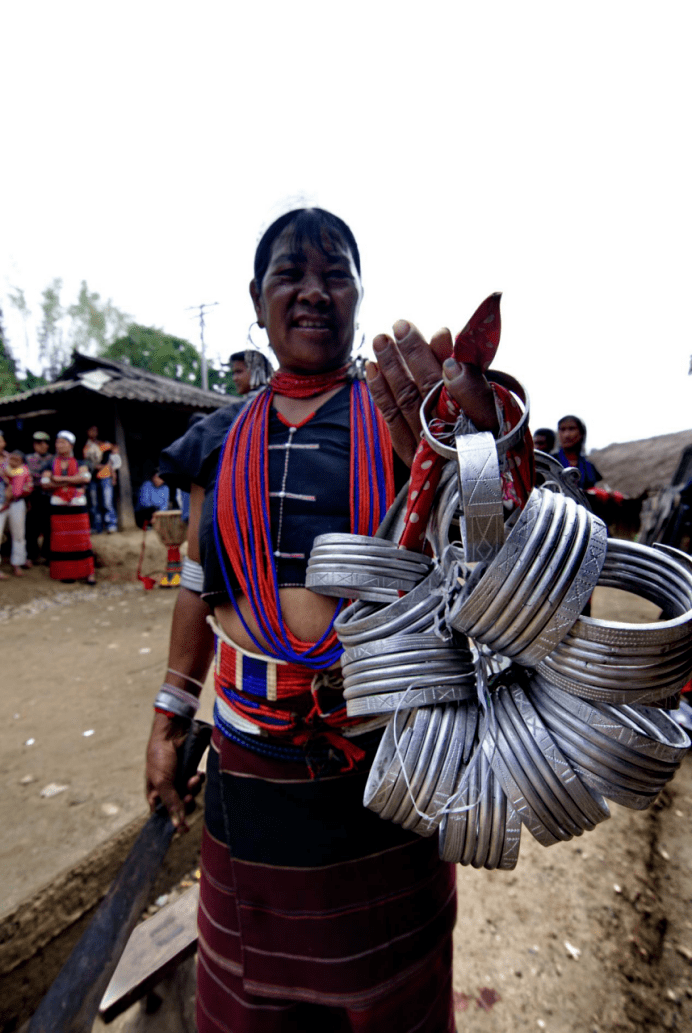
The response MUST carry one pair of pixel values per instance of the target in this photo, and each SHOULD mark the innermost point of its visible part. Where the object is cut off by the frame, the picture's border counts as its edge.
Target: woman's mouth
(310, 323)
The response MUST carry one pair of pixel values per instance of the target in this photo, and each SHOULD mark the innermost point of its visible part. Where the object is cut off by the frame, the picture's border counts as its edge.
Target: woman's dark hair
(314, 225)
(580, 424)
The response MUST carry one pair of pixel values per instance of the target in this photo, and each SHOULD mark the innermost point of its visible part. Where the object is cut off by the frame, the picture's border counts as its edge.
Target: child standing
(18, 485)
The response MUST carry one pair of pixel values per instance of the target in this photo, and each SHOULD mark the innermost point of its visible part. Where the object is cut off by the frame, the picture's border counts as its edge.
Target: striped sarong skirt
(315, 914)
(71, 556)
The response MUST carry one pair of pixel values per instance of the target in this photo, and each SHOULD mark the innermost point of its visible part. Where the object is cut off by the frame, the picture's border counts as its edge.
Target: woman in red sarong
(71, 555)
(314, 914)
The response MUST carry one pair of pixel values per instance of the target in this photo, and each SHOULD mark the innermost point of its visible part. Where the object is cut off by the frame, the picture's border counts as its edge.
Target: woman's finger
(418, 356)
(441, 344)
(403, 388)
(403, 438)
(467, 385)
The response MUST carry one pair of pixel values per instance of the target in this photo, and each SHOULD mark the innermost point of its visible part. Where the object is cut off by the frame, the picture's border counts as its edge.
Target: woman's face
(569, 434)
(308, 304)
(241, 376)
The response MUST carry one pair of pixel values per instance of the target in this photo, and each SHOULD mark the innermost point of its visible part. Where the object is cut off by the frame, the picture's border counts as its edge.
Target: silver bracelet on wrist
(188, 678)
(177, 701)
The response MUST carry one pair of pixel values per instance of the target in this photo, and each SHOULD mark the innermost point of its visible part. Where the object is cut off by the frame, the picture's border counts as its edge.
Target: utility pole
(202, 307)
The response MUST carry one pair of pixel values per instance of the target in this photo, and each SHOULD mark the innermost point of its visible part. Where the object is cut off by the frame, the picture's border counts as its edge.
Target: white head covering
(67, 435)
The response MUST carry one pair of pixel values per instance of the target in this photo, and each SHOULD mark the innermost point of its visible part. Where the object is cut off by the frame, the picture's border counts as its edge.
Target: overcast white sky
(541, 149)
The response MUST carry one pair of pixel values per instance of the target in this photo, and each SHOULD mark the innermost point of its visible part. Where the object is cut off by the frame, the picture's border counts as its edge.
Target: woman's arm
(190, 653)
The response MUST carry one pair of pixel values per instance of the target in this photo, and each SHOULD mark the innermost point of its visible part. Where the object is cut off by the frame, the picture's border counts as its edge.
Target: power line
(202, 307)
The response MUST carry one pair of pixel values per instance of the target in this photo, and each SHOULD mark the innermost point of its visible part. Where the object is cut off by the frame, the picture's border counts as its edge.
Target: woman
(250, 371)
(572, 436)
(71, 556)
(314, 914)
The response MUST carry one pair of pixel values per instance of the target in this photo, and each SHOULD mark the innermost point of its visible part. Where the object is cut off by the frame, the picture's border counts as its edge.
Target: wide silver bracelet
(192, 575)
(177, 701)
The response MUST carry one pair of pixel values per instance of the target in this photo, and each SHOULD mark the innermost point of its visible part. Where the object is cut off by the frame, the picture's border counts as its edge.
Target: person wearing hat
(71, 556)
(38, 516)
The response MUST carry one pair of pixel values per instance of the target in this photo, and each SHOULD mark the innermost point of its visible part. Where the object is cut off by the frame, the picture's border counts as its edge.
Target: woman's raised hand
(406, 369)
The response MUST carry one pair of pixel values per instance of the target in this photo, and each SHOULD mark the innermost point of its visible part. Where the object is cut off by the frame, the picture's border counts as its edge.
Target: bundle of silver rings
(509, 706)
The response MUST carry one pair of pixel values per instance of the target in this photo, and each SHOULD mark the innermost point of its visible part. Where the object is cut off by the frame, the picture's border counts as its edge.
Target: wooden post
(126, 512)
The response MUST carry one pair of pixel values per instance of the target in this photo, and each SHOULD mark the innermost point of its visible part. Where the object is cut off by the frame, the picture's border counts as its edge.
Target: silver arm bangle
(192, 575)
(177, 701)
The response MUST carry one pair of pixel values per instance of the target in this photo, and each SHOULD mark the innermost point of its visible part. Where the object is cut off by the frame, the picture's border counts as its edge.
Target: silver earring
(257, 348)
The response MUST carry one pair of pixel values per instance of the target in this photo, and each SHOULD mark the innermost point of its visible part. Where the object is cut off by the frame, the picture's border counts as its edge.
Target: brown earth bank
(590, 935)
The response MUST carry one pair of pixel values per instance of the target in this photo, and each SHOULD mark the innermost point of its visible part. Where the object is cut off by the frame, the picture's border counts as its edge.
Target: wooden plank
(155, 948)
(125, 507)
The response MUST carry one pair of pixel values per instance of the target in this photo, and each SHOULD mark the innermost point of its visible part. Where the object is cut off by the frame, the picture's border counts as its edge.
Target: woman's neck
(572, 453)
(297, 410)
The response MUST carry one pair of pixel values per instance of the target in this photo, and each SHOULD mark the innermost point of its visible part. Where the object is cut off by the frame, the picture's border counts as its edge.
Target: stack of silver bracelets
(509, 706)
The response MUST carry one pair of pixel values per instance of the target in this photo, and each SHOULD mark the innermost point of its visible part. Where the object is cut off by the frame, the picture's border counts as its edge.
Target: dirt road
(591, 935)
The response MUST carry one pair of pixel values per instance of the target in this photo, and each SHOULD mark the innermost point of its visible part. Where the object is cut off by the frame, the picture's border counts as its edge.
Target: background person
(250, 371)
(571, 433)
(544, 439)
(105, 462)
(71, 556)
(153, 495)
(18, 486)
(38, 514)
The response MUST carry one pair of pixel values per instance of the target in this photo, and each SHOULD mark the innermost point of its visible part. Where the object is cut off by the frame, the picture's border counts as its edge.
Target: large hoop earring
(257, 348)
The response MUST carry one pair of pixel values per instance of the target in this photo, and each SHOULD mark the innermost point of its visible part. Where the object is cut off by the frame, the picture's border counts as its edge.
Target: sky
(537, 148)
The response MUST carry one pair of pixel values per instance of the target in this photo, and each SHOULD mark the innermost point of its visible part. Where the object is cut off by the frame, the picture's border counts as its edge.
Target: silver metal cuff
(192, 575)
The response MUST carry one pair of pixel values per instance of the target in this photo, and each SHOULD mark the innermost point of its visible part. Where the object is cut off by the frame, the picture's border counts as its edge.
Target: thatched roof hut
(642, 466)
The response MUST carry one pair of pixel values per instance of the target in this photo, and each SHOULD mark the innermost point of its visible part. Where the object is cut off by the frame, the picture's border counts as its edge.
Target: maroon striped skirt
(71, 556)
(315, 914)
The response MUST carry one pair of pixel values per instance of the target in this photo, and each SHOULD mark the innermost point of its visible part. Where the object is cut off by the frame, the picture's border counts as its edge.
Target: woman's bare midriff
(304, 612)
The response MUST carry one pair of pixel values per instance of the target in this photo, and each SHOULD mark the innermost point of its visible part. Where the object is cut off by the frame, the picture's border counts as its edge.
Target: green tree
(52, 351)
(8, 367)
(32, 380)
(151, 349)
(94, 323)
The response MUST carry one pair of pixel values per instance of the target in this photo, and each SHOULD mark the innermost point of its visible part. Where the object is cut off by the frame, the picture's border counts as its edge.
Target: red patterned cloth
(71, 556)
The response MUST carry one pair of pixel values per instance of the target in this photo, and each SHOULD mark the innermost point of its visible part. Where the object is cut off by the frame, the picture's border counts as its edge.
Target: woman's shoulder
(187, 459)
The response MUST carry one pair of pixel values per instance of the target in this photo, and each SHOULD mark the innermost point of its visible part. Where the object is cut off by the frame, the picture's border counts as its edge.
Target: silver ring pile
(509, 707)
(363, 567)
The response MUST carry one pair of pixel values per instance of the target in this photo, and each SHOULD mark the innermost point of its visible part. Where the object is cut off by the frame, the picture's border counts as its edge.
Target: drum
(172, 530)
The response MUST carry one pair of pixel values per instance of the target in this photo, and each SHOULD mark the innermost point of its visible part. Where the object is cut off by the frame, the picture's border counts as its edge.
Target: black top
(309, 484)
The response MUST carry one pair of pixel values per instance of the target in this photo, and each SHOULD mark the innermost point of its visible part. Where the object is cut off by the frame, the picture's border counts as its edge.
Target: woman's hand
(406, 369)
(167, 736)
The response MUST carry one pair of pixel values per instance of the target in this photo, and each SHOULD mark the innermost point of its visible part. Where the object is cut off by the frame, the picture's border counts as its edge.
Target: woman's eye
(339, 274)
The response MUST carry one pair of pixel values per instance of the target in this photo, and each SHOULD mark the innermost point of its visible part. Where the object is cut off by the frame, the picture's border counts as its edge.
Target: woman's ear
(256, 301)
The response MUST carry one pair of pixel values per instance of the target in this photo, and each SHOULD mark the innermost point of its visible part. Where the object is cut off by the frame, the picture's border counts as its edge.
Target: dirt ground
(590, 935)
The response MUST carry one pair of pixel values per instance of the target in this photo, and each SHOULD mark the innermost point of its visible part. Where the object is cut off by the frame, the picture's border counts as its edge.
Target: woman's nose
(312, 290)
